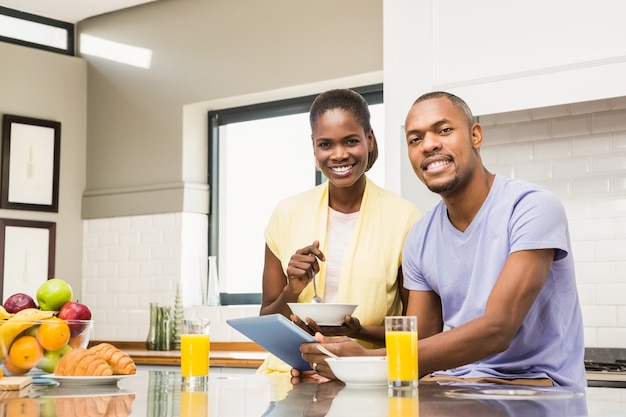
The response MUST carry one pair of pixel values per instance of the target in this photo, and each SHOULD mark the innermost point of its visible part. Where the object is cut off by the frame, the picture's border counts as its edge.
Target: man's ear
(477, 135)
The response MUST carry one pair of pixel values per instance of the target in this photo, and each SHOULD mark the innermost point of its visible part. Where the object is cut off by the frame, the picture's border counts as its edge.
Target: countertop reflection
(156, 392)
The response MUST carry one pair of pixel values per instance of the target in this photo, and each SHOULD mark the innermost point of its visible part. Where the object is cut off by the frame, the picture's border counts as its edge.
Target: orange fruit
(25, 352)
(12, 369)
(78, 341)
(53, 333)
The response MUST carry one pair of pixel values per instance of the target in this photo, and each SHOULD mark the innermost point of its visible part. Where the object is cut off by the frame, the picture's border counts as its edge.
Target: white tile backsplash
(571, 126)
(615, 163)
(551, 112)
(610, 294)
(621, 316)
(577, 150)
(592, 273)
(535, 130)
(611, 336)
(590, 145)
(609, 121)
(572, 168)
(599, 316)
(514, 152)
(588, 107)
(552, 149)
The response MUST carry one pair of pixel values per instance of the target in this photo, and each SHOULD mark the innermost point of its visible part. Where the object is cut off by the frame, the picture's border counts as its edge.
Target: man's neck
(463, 205)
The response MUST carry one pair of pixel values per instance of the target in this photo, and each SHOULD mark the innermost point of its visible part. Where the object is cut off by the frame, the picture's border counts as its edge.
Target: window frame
(216, 118)
(68, 27)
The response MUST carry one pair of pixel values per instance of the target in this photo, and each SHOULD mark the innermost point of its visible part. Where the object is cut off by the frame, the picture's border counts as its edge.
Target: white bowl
(363, 371)
(324, 314)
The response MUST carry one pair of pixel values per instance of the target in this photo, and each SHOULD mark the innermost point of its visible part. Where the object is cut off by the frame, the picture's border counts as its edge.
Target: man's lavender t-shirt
(462, 268)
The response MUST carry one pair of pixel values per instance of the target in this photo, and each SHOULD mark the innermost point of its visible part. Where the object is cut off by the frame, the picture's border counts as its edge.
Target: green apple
(32, 331)
(53, 293)
(51, 357)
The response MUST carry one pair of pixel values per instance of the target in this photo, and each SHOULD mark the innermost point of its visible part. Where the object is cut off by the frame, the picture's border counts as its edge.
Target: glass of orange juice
(194, 353)
(401, 342)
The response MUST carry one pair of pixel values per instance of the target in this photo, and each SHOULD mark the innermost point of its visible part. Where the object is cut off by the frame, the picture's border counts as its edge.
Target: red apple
(73, 310)
(18, 302)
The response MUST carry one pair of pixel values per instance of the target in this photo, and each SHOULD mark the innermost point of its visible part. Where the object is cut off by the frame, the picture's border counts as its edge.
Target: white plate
(86, 380)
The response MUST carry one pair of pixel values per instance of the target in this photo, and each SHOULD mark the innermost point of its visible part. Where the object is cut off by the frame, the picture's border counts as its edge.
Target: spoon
(316, 298)
(326, 351)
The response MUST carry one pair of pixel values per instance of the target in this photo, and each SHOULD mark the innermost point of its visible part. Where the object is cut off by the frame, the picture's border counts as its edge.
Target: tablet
(276, 334)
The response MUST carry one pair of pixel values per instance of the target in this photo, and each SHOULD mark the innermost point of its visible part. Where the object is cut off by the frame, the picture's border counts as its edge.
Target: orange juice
(194, 404)
(194, 354)
(402, 406)
(402, 356)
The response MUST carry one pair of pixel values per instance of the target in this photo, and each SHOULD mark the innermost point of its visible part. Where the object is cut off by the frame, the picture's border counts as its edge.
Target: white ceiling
(71, 11)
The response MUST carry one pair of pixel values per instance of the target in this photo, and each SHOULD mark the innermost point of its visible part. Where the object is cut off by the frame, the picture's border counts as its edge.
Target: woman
(347, 232)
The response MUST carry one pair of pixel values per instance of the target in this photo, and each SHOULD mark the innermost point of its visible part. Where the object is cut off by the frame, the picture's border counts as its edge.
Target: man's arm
(516, 289)
(426, 306)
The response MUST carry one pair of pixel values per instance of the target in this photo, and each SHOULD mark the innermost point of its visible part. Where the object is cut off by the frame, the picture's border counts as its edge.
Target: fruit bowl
(38, 344)
(324, 314)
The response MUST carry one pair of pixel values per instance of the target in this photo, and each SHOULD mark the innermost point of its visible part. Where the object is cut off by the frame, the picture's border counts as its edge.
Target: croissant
(120, 362)
(82, 362)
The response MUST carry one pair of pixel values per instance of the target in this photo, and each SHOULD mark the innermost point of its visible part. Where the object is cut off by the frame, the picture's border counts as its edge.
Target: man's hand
(340, 345)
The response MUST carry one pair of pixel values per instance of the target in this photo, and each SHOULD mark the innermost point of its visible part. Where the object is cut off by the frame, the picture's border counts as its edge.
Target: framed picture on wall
(30, 163)
(27, 253)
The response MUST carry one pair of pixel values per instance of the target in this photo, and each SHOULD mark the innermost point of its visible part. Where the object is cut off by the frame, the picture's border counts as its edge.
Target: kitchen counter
(155, 392)
(230, 354)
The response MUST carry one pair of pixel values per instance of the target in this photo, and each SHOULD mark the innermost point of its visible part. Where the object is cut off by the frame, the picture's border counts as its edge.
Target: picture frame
(27, 255)
(30, 163)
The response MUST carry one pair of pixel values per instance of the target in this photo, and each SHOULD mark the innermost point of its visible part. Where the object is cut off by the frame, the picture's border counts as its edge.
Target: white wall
(51, 86)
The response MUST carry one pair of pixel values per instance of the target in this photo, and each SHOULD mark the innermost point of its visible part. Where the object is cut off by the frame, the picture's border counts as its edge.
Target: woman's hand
(303, 266)
(351, 327)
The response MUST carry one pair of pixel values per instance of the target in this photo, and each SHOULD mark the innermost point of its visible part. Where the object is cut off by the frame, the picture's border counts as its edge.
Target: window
(258, 155)
(34, 31)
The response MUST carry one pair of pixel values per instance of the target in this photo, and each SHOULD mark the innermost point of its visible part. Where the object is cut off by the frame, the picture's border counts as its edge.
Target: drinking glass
(194, 353)
(401, 342)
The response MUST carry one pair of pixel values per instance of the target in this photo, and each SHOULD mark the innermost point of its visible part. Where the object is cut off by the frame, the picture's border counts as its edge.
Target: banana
(20, 321)
(4, 314)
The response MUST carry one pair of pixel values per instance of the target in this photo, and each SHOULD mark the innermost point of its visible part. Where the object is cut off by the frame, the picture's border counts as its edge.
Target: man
(491, 262)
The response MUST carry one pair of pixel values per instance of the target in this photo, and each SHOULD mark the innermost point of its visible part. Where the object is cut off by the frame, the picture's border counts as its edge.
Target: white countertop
(155, 392)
